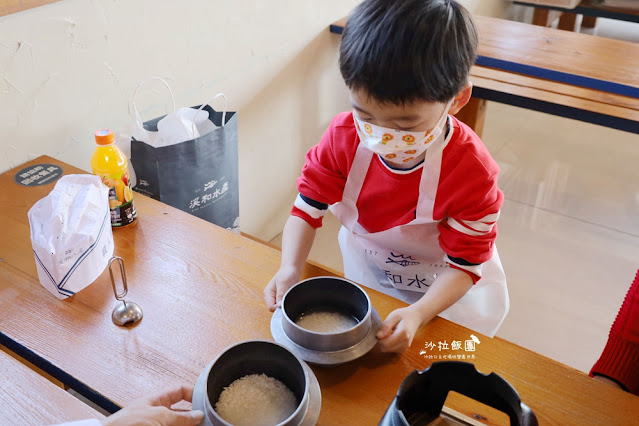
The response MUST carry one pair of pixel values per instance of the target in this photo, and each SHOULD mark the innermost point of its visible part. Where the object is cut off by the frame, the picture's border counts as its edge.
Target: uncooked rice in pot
(256, 400)
(326, 321)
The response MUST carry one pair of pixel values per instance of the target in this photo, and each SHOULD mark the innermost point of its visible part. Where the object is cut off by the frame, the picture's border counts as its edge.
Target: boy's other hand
(277, 287)
(398, 330)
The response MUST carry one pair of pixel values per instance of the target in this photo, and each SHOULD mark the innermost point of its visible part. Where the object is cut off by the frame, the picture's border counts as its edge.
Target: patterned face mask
(398, 145)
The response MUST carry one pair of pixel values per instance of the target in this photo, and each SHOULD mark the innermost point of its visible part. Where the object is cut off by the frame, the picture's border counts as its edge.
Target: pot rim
(302, 406)
(364, 322)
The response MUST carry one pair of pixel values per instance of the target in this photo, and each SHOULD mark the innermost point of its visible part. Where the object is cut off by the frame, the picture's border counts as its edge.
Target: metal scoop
(126, 312)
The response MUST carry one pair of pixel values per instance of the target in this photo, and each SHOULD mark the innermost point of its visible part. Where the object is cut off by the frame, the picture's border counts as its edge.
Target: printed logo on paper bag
(38, 174)
(211, 194)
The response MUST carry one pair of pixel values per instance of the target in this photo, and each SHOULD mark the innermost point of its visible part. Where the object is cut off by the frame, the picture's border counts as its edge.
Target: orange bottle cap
(104, 137)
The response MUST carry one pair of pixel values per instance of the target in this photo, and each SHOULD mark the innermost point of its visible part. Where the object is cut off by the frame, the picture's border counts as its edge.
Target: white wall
(70, 68)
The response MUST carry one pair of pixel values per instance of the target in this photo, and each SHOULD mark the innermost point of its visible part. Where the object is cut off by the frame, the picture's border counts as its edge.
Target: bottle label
(120, 198)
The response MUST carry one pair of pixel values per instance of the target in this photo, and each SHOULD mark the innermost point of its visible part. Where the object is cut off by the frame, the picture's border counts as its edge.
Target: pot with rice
(257, 383)
(326, 321)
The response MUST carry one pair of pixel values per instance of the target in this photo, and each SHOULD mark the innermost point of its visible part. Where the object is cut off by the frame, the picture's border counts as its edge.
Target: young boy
(414, 188)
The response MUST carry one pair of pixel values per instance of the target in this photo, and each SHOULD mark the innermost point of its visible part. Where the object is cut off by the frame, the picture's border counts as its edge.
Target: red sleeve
(314, 222)
(468, 198)
(472, 276)
(619, 360)
(327, 165)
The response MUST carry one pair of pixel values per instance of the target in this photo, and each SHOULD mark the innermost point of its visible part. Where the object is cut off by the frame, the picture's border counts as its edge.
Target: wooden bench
(35, 369)
(567, 74)
(590, 9)
(28, 398)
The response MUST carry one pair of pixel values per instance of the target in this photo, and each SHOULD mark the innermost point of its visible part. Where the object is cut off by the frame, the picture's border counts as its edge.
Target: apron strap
(346, 209)
(430, 176)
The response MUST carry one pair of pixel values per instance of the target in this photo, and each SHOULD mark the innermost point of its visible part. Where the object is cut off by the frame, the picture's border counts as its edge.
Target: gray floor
(89, 403)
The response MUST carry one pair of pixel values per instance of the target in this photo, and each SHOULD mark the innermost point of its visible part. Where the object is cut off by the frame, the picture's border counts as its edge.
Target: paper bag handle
(135, 108)
(205, 104)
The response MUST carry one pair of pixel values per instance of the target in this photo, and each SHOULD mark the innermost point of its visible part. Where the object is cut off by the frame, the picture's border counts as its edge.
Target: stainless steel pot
(326, 294)
(258, 357)
(332, 294)
(421, 396)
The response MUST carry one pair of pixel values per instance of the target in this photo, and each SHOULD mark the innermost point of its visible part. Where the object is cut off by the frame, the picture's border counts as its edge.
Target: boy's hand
(398, 330)
(277, 287)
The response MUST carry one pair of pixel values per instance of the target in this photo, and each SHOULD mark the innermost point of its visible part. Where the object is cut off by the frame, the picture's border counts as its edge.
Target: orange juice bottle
(110, 163)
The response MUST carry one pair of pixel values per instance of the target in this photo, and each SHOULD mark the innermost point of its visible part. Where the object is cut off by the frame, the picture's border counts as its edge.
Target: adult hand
(398, 330)
(155, 410)
(277, 287)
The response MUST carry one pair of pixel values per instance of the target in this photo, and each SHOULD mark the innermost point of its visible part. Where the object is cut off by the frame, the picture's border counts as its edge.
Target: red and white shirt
(467, 204)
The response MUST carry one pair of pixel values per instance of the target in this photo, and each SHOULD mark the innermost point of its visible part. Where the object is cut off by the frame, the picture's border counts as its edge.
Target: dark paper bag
(199, 176)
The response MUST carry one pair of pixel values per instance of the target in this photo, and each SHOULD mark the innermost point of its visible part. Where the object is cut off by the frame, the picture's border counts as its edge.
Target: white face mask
(399, 145)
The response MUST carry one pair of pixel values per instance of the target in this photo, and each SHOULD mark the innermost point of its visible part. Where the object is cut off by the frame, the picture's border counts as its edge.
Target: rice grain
(326, 321)
(256, 400)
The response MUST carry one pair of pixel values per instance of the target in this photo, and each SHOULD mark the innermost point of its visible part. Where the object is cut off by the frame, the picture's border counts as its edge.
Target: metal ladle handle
(125, 290)
(126, 312)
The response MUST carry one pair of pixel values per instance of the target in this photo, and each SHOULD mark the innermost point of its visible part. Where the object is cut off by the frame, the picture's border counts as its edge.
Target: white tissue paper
(179, 126)
(71, 234)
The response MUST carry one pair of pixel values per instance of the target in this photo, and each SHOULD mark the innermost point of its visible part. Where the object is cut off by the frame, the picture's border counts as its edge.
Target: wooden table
(577, 76)
(201, 287)
(588, 8)
(583, 60)
(29, 399)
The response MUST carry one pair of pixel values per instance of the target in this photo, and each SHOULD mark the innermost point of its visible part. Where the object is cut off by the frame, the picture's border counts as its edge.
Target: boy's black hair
(399, 51)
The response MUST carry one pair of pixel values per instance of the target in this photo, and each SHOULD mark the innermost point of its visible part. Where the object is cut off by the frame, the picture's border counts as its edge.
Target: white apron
(403, 261)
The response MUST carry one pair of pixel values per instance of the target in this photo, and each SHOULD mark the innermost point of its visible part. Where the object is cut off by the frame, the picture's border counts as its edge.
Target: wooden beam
(567, 21)
(8, 7)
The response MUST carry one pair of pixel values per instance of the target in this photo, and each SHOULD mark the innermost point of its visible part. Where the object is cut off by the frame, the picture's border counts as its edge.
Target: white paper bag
(71, 234)
(178, 126)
